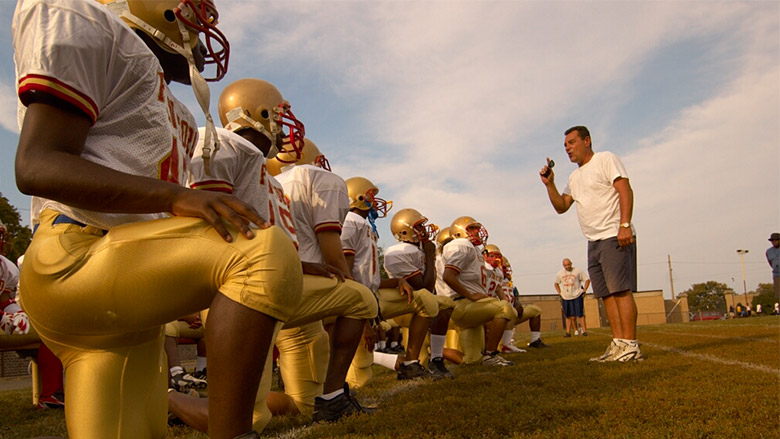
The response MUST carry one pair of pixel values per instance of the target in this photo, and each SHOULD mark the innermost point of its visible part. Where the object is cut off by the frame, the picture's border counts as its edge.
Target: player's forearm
(451, 279)
(80, 183)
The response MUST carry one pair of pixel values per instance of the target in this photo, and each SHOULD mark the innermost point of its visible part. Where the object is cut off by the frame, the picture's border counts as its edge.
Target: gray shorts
(612, 269)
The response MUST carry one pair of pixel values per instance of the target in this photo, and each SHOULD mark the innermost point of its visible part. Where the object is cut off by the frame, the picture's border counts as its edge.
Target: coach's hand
(625, 236)
(215, 207)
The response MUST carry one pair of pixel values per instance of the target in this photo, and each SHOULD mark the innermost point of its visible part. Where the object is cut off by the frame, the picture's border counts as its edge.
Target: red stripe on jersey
(328, 227)
(349, 251)
(214, 186)
(413, 274)
(452, 267)
(58, 89)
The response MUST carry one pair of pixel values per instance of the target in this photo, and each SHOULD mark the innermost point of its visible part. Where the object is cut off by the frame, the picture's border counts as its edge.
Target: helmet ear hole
(264, 114)
(169, 15)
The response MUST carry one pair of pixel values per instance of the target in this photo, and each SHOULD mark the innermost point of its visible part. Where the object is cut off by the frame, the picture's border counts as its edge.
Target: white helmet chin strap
(199, 85)
(239, 113)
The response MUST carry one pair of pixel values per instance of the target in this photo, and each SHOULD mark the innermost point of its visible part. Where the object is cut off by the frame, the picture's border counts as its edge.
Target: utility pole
(744, 281)
(671, 279)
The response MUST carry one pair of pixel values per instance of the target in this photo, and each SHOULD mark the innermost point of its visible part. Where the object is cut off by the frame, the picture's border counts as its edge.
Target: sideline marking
(714, 359)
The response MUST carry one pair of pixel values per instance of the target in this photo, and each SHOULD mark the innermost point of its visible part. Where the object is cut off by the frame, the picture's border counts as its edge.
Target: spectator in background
(758, 309)
(773, 257)
(571, 284)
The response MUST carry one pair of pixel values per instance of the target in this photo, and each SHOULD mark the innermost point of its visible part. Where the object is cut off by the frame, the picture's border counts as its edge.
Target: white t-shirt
(318, 202)
(404, 260)
(570, 283)
(358, 238)
(461, 255)
(598, 204)
(239, 169)
(111, 75)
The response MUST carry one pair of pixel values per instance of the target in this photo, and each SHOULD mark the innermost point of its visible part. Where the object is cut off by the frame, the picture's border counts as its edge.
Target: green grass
(710, 379)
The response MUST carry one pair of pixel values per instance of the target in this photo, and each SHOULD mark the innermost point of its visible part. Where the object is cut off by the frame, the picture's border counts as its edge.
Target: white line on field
(764, 340)
(714, 359)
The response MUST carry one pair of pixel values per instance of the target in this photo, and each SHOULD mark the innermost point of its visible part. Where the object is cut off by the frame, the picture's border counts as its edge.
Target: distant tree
(766, 297)
(707, 296)
(19, 236)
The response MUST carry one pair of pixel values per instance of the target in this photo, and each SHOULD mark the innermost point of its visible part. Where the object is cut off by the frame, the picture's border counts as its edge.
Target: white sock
(437, 345)
(385, 360)
(393, 344)
(535, 335)
(200, 363)
(406, 363)
(382, 344)
(176, 370)
(506, 338)
(331, 395)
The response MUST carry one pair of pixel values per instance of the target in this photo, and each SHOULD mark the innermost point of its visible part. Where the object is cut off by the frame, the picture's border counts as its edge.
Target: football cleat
(331, 410)
(566, 335)
(496, 360)
(184, 381)
(55, 401)
(512, 349)
(200, 374)
(538, 344)
(415, 370)
(437, 367)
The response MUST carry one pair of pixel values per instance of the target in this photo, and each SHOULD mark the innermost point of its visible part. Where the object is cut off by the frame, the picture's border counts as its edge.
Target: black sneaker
(538, 344)
(437, 367)
(200, 374)
(565, 335)
(413, 371)
(334, 409)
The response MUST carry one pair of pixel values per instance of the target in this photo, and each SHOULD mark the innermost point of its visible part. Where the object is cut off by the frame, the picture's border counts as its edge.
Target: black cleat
(538, 344)
(334, 409)
(437, 367)
(413, 371)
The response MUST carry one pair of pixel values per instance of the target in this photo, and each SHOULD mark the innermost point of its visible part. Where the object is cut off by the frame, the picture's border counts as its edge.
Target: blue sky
(452, 107)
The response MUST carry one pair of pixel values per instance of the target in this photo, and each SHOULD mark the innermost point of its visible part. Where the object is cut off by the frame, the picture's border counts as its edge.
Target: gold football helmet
(507, 267)
(309, 155)
(408, 225)
(362, 196)
(443, 237)
(257, 104)
(493, 255)
(469, 228)
(175, 24)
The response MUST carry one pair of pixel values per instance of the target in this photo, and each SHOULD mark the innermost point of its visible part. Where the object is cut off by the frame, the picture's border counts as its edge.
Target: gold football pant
(100, 303)
(180, 329)
(304, 346)
(529, 312)
(470, 316)
(392, 304)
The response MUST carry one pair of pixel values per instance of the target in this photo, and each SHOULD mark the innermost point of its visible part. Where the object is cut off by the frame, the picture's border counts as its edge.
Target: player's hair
(580, 129)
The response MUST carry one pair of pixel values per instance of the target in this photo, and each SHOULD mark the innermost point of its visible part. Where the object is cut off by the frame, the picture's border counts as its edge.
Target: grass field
(714, 379)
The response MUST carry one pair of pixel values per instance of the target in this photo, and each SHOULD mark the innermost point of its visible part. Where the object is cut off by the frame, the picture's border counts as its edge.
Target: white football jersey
(404, 260)
(508, 288)
(9, 277)
(358, 238)
(461, 255)
(318, 202)
(138, 126)
(442, 289)
(239, 169)
(494, 280)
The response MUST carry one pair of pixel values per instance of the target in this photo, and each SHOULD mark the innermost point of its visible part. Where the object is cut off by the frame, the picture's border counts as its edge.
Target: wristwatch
(626, 225)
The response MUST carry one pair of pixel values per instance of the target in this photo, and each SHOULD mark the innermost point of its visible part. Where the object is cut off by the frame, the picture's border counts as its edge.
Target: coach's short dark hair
(581, 130)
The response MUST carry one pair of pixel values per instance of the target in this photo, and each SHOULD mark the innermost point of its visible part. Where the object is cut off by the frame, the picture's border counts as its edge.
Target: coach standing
(773, 257)
(605, 203)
